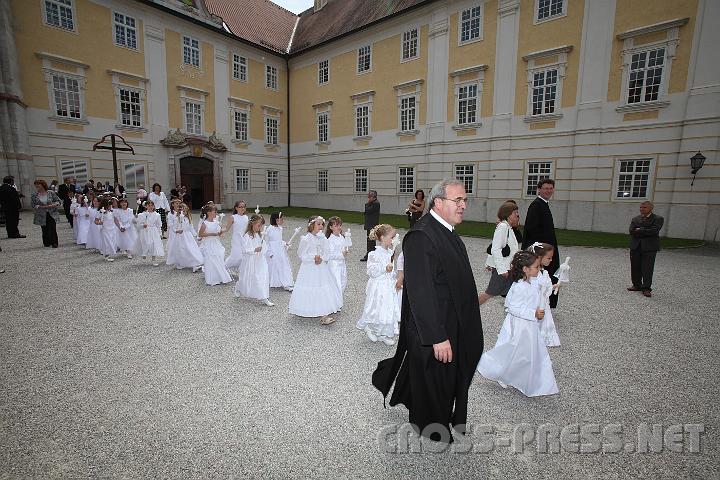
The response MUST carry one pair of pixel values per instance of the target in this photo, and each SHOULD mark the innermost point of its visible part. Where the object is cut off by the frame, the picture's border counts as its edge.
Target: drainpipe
(287, 80)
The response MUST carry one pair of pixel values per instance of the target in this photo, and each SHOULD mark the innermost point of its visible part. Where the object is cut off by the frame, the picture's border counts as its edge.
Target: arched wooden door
(196, 173)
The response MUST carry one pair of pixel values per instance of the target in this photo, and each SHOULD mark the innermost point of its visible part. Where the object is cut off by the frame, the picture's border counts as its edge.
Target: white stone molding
(117, 83)
(532, 68)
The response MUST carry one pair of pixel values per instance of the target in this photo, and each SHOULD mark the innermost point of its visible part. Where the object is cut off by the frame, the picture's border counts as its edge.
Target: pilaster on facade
(156, 68)
(506, 47)
(437, 76)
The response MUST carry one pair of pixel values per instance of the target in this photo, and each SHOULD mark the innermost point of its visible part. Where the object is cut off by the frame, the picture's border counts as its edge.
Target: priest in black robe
(441, 337)
(539, 227)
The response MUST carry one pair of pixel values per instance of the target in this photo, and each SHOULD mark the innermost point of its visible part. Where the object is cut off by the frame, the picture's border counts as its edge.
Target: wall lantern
(696, 162)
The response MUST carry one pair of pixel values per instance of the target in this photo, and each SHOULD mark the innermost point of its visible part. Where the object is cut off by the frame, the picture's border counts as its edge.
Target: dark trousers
(370, 243)
(66, 207)
(12, 218)
(163, 218)
(49, 231)
(642, 266)
(554, 297)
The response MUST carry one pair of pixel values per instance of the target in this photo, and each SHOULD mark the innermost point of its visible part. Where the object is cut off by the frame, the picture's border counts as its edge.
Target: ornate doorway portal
(196, 173)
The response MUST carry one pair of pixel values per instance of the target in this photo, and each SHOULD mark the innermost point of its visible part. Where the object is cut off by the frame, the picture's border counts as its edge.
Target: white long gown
(400, 267)
(254, 279)
(381, 312)
(149, 242)
(214, 256)
(239, 227)
(108, 231)
(547, 326)
(94, 237)
(336, 259)
(127, 239)
(74, 206)
(280, 269)
(185, 253)
(316, 292)
(520, 357)
(83, 224)
(171, 220)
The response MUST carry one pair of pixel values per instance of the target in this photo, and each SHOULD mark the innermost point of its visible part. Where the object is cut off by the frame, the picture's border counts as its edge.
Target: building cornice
(133, 76)
(197, 91)
(656, 27)
(465, 71)
(548, 53)
(60, 59)
(411, 83)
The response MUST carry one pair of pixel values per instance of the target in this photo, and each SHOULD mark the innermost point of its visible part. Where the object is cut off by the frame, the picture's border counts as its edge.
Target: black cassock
(439, 303)
(539, 227)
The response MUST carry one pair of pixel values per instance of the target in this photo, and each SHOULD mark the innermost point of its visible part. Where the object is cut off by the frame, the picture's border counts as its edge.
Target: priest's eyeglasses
(458, 201)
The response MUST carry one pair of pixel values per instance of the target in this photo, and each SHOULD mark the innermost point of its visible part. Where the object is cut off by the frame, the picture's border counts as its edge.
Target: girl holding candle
(82, 220)
(186, 253)
(149, 242)
(316, 292)
(127, 235)
(238, 221)
(212, 249)
(254, 278)
(108, 232)
(94, 238)
(281, 274)
(338, 250)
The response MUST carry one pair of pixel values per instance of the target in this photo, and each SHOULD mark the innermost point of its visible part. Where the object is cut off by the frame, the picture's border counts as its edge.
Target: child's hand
(398, 285)
(179, 232)
(389, 268)
(122, 230)
(145, 226)
(539, 313)
(258, 250)
(318, 259)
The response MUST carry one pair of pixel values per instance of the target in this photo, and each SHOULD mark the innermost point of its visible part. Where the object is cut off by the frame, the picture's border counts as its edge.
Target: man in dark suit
(441, 336)
(539, 227)
(644, 245)
(64, 192)
(372, 218)
(10, 201)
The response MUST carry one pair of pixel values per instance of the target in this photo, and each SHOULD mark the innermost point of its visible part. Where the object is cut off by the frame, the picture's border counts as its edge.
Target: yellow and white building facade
(611, 98)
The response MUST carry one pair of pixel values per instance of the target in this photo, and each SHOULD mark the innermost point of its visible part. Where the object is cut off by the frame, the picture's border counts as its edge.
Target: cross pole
(114, 148)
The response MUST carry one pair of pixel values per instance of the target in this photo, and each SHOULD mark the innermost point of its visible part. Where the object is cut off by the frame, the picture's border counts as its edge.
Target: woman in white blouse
(502, 250)
(161, 205)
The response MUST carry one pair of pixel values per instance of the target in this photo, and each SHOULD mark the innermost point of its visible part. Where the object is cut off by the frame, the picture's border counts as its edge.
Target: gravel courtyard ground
(126, 370)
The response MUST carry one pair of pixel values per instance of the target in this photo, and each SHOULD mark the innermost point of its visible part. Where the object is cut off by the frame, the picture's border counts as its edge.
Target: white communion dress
(316, 292)
(185, 252)
(83, 224)
(381, 313)
(336, 259)
(254, 281)
(128, 238)
(149, 242)
(547, 326)
(520, 357)
(214, 256)
(94, 237)
(240, 223)
(280, 270)
(108, 231)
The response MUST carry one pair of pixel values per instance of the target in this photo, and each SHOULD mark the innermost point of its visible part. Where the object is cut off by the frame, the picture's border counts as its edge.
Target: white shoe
(371, 335)
(155, 264)
(502, 384)
(129, 256)
(268, 302)
(109, 259)
(388, 341)
(178, 267)
(288, 289)
(195, 269)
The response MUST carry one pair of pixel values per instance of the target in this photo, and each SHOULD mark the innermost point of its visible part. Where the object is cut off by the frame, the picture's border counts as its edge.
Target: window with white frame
(536, 171)
(271, 77)
(410, 44)
(242, 180)
(362, 120)
(193, 118)
(467, 99)
(130, 107)
(323, 72)
(239, 67)
(59, 13)
(322, 127)
(271, 130)
(77, 169)
(633, 179)
(364, 59)
(66, 96)
(471, 24)
(406, 179)
(191, 51)
(240, 125)
(134, 175)
(544, 91)
(547, 9)
(646, 71)
(408, 113)
(361, 180)
(125, 30)
(466, 175)
(273, 181)
(322, 180)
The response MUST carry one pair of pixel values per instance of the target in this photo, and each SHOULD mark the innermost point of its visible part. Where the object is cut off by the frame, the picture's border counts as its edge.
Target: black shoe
(55, 245)
(18, 236)
(364, 259)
